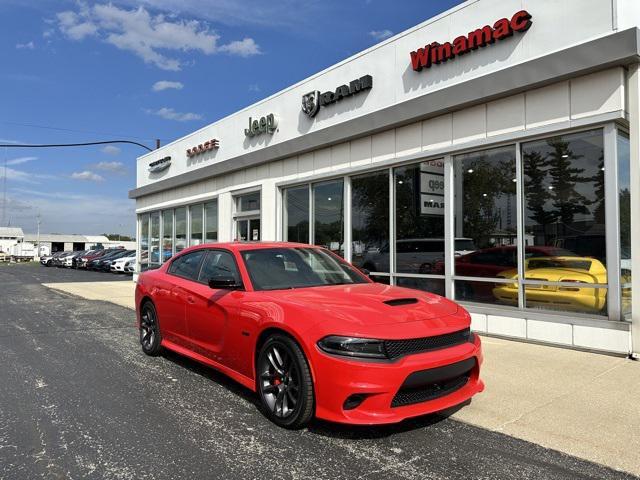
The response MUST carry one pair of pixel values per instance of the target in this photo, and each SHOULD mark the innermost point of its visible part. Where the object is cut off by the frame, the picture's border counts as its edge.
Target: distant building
(10, 236)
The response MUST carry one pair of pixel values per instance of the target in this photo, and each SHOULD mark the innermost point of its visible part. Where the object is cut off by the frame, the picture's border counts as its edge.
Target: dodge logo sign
(312, 101)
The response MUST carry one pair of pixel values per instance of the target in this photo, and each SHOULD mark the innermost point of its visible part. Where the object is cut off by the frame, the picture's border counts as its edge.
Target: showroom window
(564, 220)
(144, 241)
(624, 196)
(167, 235)
(370, 221)
(154, 239)
(526, 224)
(247, 217)
(196, 223)
(328, 215)
(296, 214)
(419, 220)
(485, 217)
(211, 221)
(181, 228)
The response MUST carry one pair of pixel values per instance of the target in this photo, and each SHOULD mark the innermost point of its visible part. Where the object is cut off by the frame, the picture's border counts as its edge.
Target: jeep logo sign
(267, 124)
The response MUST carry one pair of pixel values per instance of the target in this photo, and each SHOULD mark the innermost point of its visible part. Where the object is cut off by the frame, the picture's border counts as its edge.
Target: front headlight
(353, 346)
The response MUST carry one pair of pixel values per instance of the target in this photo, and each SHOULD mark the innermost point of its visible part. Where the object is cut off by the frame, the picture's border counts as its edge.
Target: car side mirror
(224, 283)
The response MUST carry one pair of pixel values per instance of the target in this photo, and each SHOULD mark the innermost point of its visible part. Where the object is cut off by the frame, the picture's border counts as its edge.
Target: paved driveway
(78, 399)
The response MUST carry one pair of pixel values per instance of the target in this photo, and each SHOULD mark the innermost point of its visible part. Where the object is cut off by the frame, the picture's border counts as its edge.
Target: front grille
(429, 392)
(400, 348)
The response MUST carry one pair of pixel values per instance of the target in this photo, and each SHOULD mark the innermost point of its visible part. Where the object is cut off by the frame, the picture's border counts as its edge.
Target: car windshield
(284, 268)
(559, 263)
(465, 244)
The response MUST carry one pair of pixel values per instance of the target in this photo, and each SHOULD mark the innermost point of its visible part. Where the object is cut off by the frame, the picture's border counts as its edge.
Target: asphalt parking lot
(80, 400)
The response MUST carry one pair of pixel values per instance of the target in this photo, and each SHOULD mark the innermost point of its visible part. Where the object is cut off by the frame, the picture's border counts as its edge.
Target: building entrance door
(248, 229)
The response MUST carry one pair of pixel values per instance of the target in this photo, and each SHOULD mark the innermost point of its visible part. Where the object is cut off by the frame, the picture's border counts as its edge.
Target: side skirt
(238, 377)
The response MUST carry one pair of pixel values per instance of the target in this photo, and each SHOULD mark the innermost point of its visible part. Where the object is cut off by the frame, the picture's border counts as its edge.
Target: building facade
(490, 154)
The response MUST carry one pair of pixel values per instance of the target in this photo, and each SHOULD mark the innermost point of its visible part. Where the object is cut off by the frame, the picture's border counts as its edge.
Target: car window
(218, 263)
(284, 268)
(187, 265)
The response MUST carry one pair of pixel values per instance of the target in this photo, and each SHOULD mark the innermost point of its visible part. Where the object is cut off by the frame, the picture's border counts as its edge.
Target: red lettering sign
(435, 53)
(203, 147)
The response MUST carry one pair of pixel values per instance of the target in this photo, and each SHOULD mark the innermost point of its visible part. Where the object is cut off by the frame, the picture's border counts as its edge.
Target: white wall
(556, 25)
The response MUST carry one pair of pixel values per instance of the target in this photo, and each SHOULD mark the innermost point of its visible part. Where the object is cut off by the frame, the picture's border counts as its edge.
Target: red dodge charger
(310, 333)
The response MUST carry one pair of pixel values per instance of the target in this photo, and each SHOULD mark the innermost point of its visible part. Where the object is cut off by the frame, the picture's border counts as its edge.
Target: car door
(171, 293)
(211, 312)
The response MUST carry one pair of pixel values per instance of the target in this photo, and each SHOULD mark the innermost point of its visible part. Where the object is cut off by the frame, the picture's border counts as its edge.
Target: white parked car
(118, 265)
(130, 266)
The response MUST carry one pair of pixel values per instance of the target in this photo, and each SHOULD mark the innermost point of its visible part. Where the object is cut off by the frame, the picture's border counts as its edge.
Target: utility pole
(4, 189)
(38, 235)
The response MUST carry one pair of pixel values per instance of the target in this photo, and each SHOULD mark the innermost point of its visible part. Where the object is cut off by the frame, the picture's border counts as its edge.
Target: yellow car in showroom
(579, 298)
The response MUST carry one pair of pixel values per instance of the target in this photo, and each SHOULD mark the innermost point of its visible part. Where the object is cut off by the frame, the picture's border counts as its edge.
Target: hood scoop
(396, 302)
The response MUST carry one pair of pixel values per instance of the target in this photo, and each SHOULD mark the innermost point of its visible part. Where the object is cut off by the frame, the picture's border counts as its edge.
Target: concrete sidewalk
(583, 404)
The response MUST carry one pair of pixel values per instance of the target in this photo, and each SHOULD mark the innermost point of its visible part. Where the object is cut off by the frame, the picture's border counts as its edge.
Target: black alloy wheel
(284, 383)
(149, 330)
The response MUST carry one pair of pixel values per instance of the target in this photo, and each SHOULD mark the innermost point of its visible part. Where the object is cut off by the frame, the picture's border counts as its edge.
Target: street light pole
(38, 235)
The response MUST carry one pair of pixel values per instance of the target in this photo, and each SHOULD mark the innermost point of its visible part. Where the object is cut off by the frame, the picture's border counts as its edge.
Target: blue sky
(83, 71)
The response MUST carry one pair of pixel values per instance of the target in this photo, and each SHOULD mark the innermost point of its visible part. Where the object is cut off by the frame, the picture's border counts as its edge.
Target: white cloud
(243, 48)
(20, 160)
(148, 36)
(110, 150)
(166, 84)
(87, 176)
(16, 175)
(381, 34)
(112, 167)
(171, 114)
(26, 46)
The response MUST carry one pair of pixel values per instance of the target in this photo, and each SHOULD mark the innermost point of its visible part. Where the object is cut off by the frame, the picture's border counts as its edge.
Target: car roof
(243, 246)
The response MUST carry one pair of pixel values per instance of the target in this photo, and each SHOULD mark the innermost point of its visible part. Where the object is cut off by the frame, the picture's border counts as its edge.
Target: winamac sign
(435, 53)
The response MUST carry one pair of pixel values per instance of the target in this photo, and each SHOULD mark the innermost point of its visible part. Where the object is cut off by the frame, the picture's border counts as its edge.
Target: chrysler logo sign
(312, 101)
(160, 165)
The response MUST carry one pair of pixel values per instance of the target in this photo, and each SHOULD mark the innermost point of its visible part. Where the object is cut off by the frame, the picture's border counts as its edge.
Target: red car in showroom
(310, 333)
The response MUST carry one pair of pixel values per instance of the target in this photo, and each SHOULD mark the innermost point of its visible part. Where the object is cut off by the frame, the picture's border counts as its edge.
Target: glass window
(144, 240)
(565, 222)
(487, 292)
(219, 264)
(284, 268)
(296, 201)
(328, 211)
(420, 217)
(154, 243)
(485, 212)
(624, 196)
(211, 221)
(370, 221)
(181, 229)
(431, 285)
(195, 213)
(167, 235)
(564, 195)
(248, 202)
(188, 265)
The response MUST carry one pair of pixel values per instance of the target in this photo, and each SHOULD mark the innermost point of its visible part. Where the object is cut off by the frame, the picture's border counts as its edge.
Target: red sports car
(311, 334)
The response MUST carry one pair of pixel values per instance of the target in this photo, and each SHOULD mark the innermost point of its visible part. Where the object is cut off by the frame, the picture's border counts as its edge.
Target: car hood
(369, 304)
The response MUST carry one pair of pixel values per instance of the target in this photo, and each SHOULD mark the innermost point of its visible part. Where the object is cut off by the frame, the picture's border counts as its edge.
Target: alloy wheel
(280, 381)
(148, 328)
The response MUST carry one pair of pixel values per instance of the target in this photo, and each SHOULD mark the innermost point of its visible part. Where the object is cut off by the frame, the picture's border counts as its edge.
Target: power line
(46, 127)
(48, 145)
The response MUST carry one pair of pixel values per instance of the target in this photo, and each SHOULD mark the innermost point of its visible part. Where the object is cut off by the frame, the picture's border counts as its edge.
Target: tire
(283, 378)
(150, 338)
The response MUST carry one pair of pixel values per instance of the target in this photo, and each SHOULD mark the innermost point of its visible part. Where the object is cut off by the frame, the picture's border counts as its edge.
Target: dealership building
(490, 154)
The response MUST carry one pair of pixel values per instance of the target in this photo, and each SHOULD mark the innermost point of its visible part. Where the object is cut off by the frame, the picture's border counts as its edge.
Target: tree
(536, 192)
